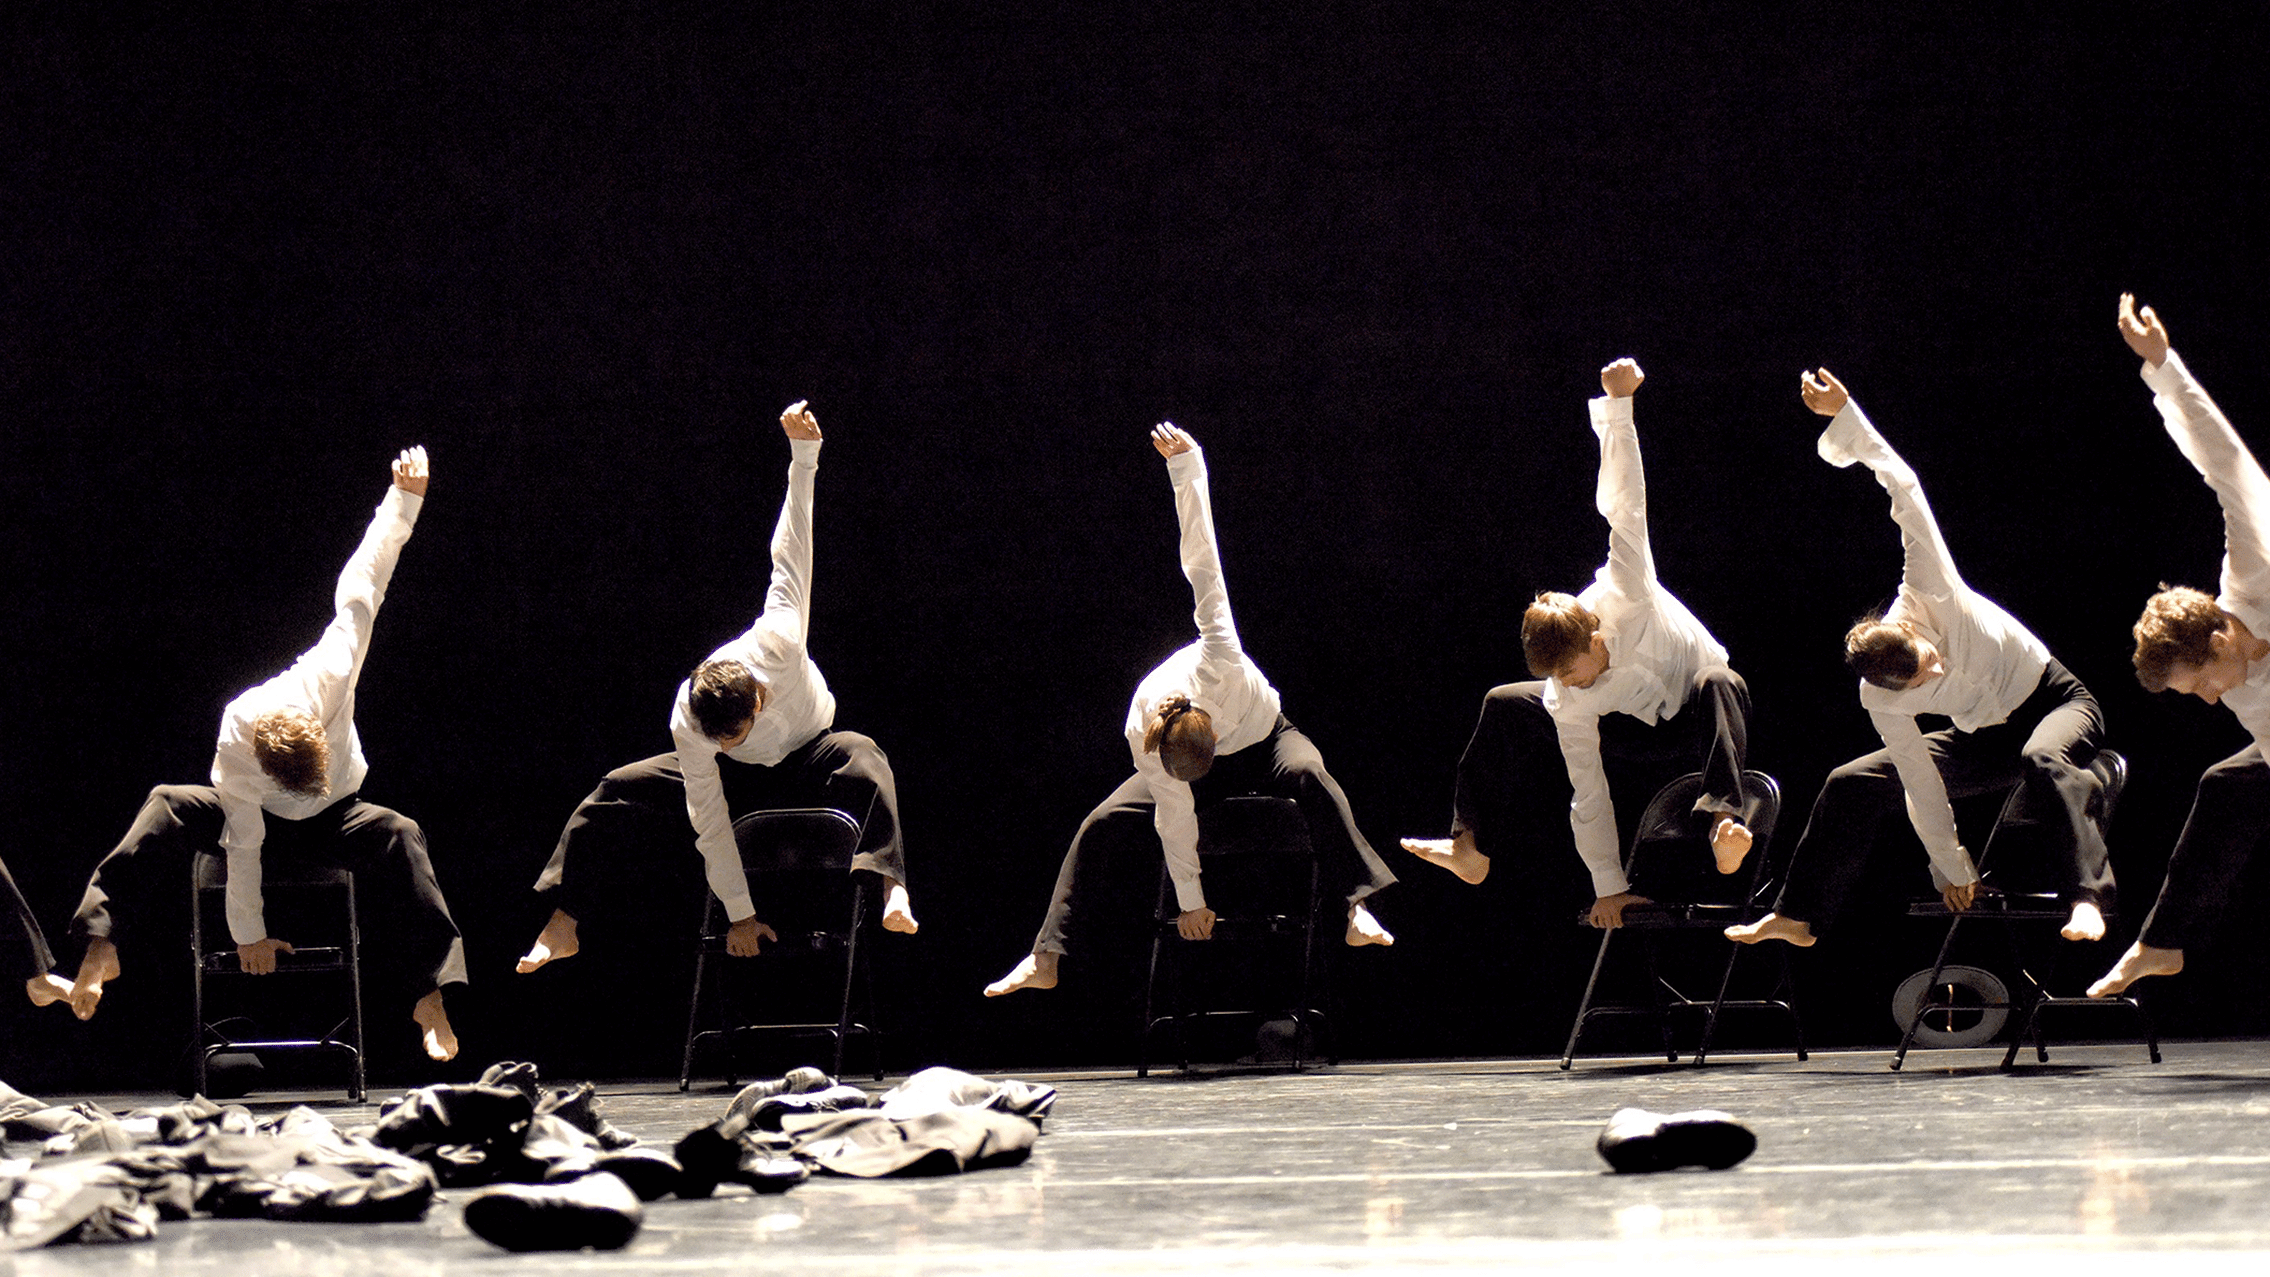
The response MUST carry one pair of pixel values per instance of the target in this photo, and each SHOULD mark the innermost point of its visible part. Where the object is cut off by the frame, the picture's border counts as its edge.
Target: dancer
(285, 782)
(1943, 649)
(43, 986)
(1204, 726)
(1625, 646)
(2211, 648)
(753, 726)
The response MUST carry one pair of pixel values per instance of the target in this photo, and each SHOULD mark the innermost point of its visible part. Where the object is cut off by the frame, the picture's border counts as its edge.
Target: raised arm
(1201, 557)
(788, 601)
(2208, 442)
(1930, 567)
(1622, 493)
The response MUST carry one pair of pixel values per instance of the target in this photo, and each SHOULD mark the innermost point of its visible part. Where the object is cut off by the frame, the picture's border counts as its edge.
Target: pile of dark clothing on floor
(553, 1174)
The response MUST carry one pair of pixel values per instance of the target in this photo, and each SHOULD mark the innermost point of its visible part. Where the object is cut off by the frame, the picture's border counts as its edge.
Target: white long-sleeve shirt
(1214, 672)
(1992, 662)
(1656, 647)
(2207, 441)
(322, 683)
(797, 703)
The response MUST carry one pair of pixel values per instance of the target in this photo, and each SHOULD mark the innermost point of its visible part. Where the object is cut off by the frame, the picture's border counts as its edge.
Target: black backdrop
(1371, 259)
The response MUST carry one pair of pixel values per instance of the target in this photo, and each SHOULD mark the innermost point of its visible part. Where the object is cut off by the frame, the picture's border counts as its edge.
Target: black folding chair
(1944, 1008)
(209, 877)
(1262, 881)
(1669, 820)
(799, 865)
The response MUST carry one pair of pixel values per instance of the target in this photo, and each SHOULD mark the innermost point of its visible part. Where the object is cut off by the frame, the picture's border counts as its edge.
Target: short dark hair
(2177, 628)
(1882, 652)
(1182, 735)
(1555, 630)
(291, 747)
(724, 696)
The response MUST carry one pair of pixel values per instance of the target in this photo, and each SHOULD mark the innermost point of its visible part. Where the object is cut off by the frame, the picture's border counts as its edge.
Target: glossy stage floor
(2097, 1162)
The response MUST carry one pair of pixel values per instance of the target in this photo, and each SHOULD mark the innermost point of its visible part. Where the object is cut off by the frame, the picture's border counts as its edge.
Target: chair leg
(693, 1011)
(1710, 1023)
(1584, 1008)
(1946, 946)
(1786, 989)
(1666, 997)
(197, 1055)
(355, 991)
(850, 967)
(1308, 961)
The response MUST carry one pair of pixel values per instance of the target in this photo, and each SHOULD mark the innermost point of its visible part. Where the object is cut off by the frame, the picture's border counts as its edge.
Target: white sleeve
(2214, 449)
(1927, 806)
(330, 669)
(243, 830)
(1930, 567)
(1622, 497)
(1174, 814)
(713, 826)
(1592, 816)
(788, 601)
(1202, 560)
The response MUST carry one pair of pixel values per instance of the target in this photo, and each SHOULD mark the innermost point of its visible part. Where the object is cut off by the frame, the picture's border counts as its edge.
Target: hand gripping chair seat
(1262, 881)
(799, 865)
(209, 876)
(1670, 820)
(1953, 1005)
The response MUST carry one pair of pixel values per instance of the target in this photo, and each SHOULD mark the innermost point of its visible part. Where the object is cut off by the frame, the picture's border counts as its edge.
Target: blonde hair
(1182, 735)
(2177, 628)
(291, 747)
(1555, 630)
(1882, 652)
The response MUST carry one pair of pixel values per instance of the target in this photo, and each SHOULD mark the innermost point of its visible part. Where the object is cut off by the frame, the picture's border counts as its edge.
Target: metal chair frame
(828, 839)
(1668, 817)
(1308, 1021)
(1994, 906)
(209, 873)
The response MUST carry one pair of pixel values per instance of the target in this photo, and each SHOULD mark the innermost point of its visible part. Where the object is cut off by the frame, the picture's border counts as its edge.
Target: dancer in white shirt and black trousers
(1943, 649)
(2211, 648)
(285, 780)
(1204, 726)
(754, 730)
(1625, 646)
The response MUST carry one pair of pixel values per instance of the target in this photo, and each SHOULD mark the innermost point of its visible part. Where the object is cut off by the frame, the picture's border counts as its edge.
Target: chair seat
(211, 873)
(1674, 916)
(2029, 906)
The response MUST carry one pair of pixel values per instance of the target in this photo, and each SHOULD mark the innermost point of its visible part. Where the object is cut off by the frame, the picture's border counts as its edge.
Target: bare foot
(98, 968)
(2086, 922)
(1456, 853)
(556, 941)
(1037, 971)
(433, 1018)
(898, 911)
(1364, 929)
(2141, 960)
(1774, 927)
(1729, 843)
(47, 989)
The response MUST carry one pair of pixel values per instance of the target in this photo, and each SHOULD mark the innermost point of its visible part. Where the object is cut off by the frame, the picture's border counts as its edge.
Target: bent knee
(2236, 776)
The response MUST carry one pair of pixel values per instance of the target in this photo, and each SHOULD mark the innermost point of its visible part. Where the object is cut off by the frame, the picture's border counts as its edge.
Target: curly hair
(1182, 735)
(2177, 628)
(1555, 630)
(291, 746)
(1882, 652)
(724, 697)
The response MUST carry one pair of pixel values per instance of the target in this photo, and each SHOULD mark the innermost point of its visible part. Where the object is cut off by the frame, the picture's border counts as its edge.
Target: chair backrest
(797, 838)
(210, 872)
(1670, 814)
(2112, 773)
(1254, 825)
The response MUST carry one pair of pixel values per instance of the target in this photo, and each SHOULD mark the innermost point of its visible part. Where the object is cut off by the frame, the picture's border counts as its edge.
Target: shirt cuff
(1843, 439)
(804, 452)
(2168, 376)
(1609, 411)
(1184, 466)
(1189, 895)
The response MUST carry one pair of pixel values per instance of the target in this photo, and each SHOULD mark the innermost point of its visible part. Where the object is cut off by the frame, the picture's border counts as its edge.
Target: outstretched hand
(2143, 331)
(1621, 378)
(798, 422)
(1171, 440)
(411, 471)
(1822, 392)
(259, 957)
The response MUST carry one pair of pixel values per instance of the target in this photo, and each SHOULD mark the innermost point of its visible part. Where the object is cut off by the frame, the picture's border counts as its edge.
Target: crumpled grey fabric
(935, 1090)
(870, 1144)
(938, 1122)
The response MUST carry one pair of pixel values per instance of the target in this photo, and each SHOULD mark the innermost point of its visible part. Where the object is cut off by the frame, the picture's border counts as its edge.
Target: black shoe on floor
(1637, 1140)
(598, 1211)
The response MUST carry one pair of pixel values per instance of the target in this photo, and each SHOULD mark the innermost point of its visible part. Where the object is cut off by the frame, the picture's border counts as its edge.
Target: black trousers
(1516, 751)
(16, 915)
(1284, 764)
(2229, 816)
(642, 807)
(147, 876)
(2045, 745)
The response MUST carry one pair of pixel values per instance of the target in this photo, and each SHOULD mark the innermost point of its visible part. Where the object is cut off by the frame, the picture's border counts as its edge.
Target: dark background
(1371, 259)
